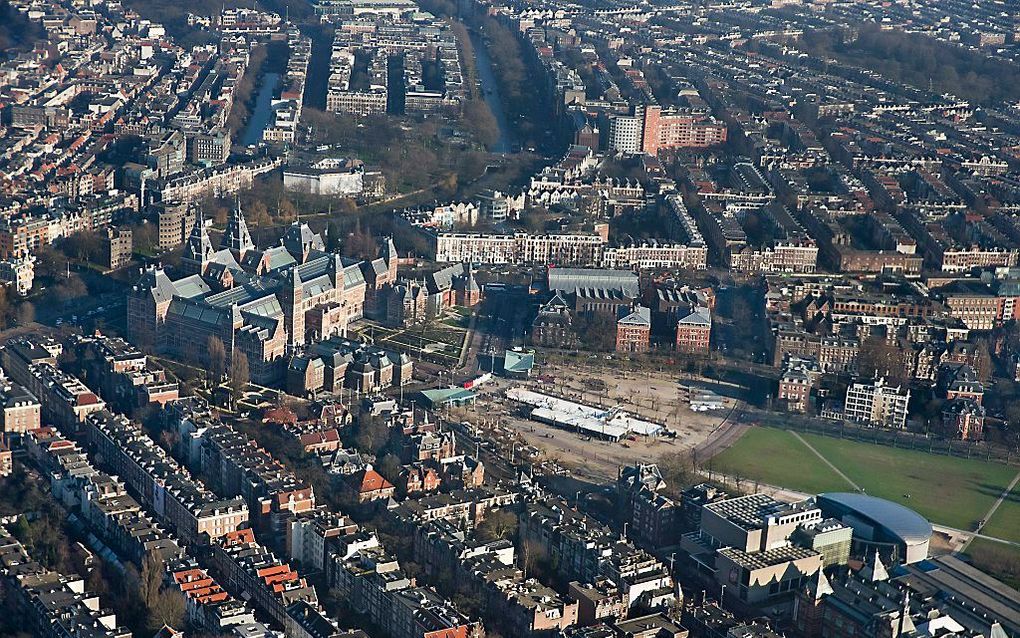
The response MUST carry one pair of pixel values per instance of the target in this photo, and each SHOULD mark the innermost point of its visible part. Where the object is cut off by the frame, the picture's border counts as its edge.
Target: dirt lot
(652, 395)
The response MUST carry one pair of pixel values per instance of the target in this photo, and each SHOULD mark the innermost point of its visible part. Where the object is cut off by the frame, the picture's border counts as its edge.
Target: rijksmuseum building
(267, 303)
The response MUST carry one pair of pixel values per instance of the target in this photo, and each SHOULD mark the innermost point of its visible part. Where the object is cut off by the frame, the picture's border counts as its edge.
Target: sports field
(947, 490)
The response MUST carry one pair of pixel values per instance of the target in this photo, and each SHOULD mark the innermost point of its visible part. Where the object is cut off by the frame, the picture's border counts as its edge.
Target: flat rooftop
(753, 511)
(768, 558)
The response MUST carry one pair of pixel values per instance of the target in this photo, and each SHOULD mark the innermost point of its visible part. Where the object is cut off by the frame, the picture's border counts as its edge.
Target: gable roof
(372, 481)
(700, 316)
(640, 316)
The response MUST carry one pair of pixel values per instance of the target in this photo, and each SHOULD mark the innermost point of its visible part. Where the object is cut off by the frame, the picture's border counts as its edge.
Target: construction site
(590, 421)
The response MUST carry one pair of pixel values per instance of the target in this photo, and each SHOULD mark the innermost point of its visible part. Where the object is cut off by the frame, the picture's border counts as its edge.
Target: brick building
(694, 332)
(634, 330)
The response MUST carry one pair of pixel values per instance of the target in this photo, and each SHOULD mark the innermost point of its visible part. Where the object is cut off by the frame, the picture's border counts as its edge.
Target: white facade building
(326, 177)
(626, 133)
(877, 403)
(19, 272)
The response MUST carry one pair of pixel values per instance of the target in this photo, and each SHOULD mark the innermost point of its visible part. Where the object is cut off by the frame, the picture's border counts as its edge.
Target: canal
(490, 91)
(263, 112)
(317, 80)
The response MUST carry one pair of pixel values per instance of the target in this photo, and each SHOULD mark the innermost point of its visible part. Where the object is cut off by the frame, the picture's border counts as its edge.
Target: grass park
(1005, 523)
(777, 458)
(951, 491)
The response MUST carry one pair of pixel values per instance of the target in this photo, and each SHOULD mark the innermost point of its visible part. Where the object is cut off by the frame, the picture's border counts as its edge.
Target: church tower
(389, 255)
(199, 250)
(807, 606)
(236, 238)
(293, 308)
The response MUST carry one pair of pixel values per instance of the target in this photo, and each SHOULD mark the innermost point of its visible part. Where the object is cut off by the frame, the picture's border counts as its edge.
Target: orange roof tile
(372, 481)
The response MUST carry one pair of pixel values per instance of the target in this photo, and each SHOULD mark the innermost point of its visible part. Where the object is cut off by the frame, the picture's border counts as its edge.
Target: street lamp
(722, 594)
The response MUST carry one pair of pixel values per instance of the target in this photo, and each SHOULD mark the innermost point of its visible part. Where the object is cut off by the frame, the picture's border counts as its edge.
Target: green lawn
(947, 490)
(776, 457)
(1005, 523)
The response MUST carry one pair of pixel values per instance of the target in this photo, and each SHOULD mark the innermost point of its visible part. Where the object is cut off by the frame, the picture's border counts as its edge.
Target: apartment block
(244, 565)
(127, 379)
(374, 585)
(876, 403)
(20, 411)
(237, 466)
(174, 222)
(206, 604)
(64, 400)
(192, 512)
(49, 604)
(117, 247)
(99, 499)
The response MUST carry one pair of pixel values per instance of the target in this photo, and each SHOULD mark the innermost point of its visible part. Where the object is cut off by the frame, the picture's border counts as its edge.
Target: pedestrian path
(826, 461)
(991, 511)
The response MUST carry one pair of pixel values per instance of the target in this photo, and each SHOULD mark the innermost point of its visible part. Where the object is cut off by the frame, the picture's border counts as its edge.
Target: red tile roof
(372, 481)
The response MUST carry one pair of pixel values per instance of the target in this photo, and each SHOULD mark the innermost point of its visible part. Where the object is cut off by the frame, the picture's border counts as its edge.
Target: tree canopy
(920, 61)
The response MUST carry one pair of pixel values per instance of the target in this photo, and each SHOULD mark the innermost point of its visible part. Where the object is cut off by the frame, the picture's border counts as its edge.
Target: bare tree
(498, 525)
(390, 467)
(217, 358)
(163, 607)
(983, 361)
(25, 313)
(238, 373)
(5, 307)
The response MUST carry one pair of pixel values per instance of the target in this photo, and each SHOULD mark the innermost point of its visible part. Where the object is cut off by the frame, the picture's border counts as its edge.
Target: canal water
(490, 91)
(317, 79)
(262, 115)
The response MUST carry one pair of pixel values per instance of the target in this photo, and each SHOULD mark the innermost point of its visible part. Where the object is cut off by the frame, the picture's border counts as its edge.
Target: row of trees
(598, 331)
(921, 61)
(142, 602)
(1001, 561)
(358, 243)
(138, 596)
(516, 84)
(19, 312)
(481, 122)
(477, 115)
(244, 93)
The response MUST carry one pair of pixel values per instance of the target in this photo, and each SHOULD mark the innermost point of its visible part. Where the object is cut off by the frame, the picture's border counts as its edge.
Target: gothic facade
(265, 303)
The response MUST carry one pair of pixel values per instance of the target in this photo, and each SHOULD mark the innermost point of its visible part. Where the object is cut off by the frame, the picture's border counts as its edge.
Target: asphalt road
(726, 435)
